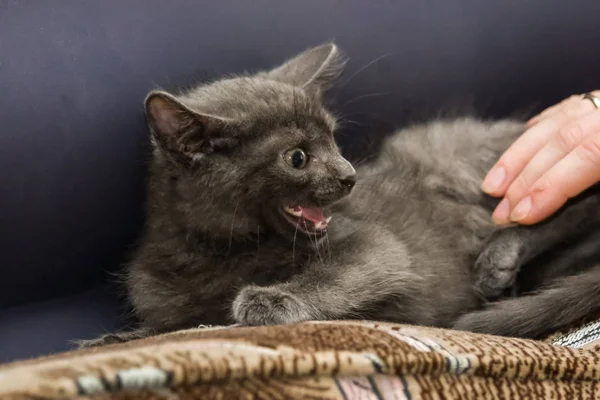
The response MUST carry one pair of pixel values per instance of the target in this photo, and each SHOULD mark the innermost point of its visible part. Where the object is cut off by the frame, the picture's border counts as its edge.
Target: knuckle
(543, 183)
(569, 136)
(522, 181)
(520, 186)
(550, 110)
(575, 109)
(590, 151)
(574, 98)
(569, 103)
(561, 115)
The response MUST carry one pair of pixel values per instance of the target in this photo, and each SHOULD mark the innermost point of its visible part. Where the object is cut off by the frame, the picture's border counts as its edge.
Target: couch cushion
(326, 360)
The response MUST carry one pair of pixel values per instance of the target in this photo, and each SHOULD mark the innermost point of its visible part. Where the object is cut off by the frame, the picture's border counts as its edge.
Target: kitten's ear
(313, 70)
(177, 128)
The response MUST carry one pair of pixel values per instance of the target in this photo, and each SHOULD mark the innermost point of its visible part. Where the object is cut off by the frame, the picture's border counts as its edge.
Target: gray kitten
(255, 217)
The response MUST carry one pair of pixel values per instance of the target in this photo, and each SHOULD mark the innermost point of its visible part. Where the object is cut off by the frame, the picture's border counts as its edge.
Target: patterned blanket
(317, 360)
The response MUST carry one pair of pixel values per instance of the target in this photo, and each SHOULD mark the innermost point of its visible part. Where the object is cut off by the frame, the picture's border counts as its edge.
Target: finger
(532, 121)
(544, 114)
(576, 172)
(561, 144)
(574, 105)
(552, 110)
(512, 162)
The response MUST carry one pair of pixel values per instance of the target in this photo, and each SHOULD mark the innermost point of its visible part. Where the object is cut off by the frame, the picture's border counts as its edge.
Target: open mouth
(307, 219)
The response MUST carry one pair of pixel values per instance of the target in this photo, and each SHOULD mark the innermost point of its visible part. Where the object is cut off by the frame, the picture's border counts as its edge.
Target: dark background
(73, 142)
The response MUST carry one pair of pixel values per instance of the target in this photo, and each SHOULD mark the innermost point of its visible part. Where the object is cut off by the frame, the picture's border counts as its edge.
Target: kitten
(255, 217)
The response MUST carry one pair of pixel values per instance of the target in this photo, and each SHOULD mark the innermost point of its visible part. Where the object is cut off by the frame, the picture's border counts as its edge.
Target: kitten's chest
(265, 265)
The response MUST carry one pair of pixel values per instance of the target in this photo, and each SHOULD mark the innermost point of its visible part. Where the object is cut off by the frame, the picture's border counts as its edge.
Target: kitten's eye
(296, 158)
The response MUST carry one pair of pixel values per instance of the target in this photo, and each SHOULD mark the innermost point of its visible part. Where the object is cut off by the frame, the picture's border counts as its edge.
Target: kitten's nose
(348, 181)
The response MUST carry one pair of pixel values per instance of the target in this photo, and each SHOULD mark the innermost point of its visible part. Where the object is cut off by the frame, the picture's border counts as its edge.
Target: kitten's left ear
(314, 70)
(177, 128)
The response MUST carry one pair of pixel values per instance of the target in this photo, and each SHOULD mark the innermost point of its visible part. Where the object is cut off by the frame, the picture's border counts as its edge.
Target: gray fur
(400, 247)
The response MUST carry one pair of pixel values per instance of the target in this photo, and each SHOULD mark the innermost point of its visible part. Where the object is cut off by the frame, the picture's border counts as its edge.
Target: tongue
(313, 214)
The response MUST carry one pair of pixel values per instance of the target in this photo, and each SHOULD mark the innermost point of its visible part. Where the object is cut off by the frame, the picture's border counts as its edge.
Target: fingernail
(494, 179)
(521, 209)
(501, 213)
(532, 121)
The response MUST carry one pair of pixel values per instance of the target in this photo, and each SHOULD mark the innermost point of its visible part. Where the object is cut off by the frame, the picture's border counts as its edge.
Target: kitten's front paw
(256, 305)
(497, 266)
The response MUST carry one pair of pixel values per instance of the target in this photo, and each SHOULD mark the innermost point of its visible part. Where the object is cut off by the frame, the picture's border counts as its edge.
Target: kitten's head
(253, 153)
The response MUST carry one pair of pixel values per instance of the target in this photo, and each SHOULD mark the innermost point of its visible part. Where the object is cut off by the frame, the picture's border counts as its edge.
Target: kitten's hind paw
(497, 265)
(256, 305)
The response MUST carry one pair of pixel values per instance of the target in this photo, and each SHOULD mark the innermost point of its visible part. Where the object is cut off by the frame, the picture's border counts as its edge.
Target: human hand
(556, 158)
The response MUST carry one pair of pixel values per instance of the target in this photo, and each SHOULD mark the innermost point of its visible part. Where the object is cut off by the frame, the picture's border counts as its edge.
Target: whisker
(232, 224)
(342, 121)
(364, 96)
(257, 240)
(317, 247)
(315, 244)
(328, 246)
(367, 65)
(364, 160)
(294, 241)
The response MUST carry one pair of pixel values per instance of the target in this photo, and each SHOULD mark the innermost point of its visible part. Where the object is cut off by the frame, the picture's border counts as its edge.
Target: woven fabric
(324, 360)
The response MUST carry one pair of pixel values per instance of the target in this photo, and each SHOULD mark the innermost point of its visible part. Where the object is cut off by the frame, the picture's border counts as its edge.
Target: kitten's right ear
(177, 128)
(314, 70)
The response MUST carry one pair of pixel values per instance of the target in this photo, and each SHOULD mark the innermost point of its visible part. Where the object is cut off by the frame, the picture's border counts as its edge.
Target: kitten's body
(419, 206)
(401, 247)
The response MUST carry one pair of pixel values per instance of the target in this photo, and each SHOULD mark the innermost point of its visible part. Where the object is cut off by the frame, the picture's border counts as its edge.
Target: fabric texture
(314, 360)
(73, 141)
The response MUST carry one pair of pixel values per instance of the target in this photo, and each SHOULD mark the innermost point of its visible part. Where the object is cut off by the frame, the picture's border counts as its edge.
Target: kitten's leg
(570, 299)
(354, 280)
(498, 264)
(112, 338)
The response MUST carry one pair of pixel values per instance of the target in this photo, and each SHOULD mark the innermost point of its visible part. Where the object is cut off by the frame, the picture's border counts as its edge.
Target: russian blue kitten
(254, 217)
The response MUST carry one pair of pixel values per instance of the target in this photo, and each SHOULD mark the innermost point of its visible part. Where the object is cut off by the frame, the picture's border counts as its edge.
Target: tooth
(328, 219)
(318, 225)
(292, 211)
